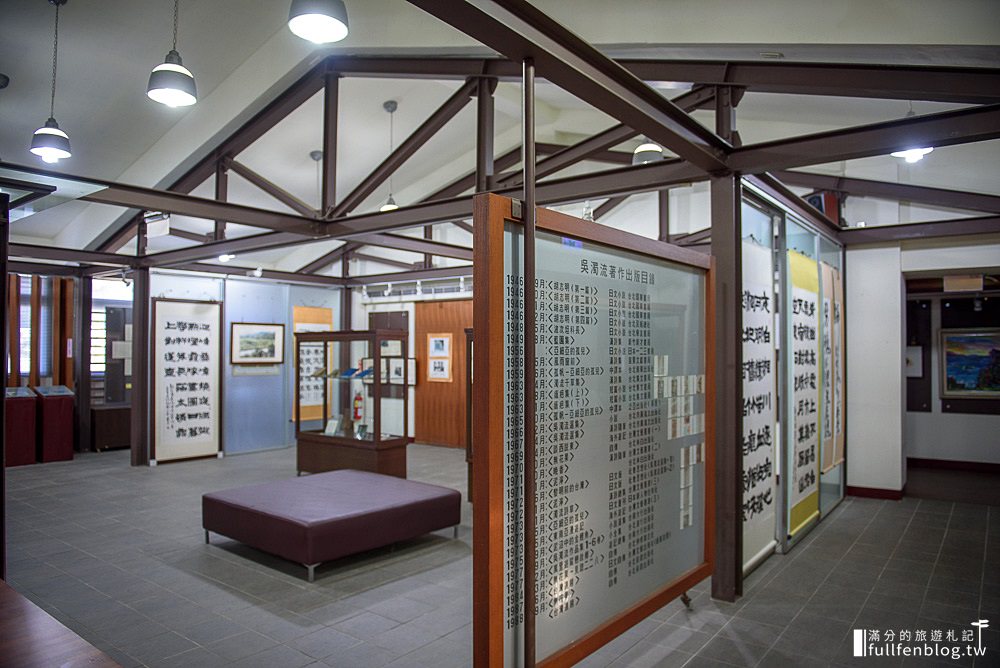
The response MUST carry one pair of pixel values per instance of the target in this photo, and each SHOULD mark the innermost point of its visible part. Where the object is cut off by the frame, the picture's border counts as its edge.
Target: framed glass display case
(346, 416)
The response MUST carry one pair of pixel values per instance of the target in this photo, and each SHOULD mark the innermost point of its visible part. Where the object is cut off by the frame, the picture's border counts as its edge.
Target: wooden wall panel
(439, 411)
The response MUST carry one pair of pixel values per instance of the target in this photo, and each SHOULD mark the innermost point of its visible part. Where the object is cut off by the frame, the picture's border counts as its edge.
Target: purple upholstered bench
(325, 516)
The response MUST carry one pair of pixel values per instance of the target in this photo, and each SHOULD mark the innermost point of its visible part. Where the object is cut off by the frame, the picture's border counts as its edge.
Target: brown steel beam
(331, 109)
(485, 119)
(965, 85)
(69, 255)
(727, 574)
(461, 224)
(140, 450)
(608, 206)
(149, 199)
(247, 244)
(663, 214)
(693, 238)
(943, 84)
(415, 245)
(410, 145)
(944, 129)
(327, 259)
(778, 190)
(42, 269)
(413, 275)
(903, 192)
(248, 133)
(959, 227)
(221, 195)
(597, 147)
(272, 189)
(284, 276)
(193, 236)
(519, 31)
(384, 260)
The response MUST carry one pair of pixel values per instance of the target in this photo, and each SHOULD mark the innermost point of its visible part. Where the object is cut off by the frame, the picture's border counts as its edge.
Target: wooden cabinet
(347, 375)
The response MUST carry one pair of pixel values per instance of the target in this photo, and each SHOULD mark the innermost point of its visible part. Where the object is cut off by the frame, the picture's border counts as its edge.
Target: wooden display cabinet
(339, 396)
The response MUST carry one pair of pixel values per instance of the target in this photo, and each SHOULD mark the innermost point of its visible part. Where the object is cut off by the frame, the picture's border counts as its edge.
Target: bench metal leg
(312, 571)
(206, 537)
(455, 535)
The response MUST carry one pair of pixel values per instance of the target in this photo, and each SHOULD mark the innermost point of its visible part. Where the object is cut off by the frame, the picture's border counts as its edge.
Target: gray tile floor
(117, 554)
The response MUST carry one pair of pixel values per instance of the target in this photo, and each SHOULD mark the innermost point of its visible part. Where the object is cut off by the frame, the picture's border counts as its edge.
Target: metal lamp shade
(647, 152)
(171, 83)
(50, 143)
(318, 21)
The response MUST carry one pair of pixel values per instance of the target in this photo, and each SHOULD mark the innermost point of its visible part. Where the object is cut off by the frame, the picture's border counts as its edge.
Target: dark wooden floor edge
(953, 465)
(875, 493)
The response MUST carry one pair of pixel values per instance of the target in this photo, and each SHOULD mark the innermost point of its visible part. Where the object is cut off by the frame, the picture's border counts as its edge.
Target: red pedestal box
(55, 423)
(20, 405)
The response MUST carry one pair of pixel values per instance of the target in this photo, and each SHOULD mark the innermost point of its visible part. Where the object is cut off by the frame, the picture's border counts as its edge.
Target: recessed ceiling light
(912, 155)
(774, 55)
(226, 257)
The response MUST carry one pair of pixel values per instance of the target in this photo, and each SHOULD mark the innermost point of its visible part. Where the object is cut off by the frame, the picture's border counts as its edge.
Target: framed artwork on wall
(256, 343)
(439, 345)
(970, 363)
(439, 370)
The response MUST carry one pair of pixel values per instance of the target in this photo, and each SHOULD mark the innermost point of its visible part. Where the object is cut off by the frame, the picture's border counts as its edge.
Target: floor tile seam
(868, 596)
(937, 559)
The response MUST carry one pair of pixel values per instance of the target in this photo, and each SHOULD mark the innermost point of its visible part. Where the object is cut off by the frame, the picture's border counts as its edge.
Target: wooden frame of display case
(318, 451)
(488, 598)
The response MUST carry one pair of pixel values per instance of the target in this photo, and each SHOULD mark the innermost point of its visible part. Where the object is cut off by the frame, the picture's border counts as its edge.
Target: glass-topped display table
(345, 416)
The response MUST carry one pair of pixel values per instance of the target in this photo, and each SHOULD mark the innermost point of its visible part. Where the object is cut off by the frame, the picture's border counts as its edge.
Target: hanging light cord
(55, 61)
(176, 2)
(392, 145)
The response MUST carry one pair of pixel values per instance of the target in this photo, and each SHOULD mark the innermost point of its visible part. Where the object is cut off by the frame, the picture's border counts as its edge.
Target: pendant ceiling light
(49, 142)
(318, 21)
(390, 106)
(647, 152)
(171, 83)
(916, 154)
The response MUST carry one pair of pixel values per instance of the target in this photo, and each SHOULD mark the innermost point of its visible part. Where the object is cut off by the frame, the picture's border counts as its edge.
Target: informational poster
(804, 386)
(621, 453)
(759, 396)
(838, 368)
(827, 422)
(187, 357)
(313, 362)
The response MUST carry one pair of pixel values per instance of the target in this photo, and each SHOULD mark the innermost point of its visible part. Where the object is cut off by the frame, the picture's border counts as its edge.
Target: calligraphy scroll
(187, 356)
(759, 396)
(804, 386)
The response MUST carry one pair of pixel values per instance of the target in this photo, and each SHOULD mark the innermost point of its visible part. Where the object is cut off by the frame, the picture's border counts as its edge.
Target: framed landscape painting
(970, 363)
(256, 343)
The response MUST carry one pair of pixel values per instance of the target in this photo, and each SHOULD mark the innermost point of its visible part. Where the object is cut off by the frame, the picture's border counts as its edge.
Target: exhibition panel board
(311, 387)
(187, 379)
(624, 424)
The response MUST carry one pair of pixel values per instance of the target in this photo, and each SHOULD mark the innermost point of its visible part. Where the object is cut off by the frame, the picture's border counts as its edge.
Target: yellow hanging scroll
(805, 383)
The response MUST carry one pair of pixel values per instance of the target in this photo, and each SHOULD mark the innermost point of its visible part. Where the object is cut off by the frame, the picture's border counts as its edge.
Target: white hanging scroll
(759, 373)
(187, 355)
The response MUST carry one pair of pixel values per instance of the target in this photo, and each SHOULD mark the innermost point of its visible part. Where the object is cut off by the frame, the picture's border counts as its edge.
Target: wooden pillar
(727, 578)
(14, 329)
(35, 302)
(66, 343)
(81, 361)
(140, 367)
(4, 237)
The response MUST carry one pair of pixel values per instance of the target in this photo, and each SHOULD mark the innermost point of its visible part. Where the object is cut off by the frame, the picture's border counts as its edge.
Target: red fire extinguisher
(359, 407)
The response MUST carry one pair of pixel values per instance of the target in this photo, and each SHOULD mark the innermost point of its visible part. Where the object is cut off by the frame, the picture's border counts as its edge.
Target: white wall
(875, 299)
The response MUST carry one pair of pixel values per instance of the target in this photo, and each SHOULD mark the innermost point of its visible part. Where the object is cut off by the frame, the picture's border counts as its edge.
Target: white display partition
(187, 358)
(624, 462)
(759, 374)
